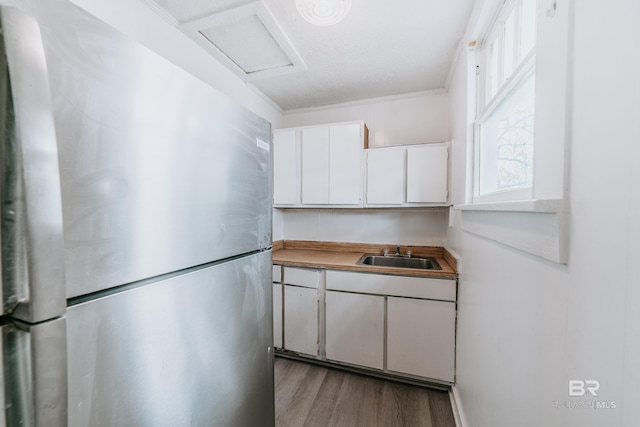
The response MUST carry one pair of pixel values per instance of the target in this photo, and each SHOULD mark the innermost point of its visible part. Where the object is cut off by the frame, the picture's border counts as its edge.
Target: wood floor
(315, 396)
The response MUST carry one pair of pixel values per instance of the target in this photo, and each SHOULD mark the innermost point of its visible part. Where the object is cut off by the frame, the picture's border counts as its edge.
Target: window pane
(509, 44)
(528, 37)
(494, 68)
(506, 142)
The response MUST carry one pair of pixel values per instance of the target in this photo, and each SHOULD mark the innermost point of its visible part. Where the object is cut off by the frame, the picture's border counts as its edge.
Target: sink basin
(423, 263)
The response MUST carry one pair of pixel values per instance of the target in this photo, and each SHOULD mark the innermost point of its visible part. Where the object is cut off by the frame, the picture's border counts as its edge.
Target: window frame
(537, 226)
(487, 103)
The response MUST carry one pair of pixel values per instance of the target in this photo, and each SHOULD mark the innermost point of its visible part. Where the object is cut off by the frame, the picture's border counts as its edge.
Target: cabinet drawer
(401, 286)
(301, 277)
(277, 274)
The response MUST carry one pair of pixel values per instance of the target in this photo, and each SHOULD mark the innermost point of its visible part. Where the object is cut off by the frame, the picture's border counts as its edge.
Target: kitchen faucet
(398, 254)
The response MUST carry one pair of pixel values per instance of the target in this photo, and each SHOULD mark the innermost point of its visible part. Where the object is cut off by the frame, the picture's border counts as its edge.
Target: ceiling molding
(161, 12)
(256, 17)
(368, 101)
(265, 98)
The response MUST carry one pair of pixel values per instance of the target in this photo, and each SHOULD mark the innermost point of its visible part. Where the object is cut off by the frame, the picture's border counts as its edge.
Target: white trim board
(539, 206)
(458, 414)
(368, 101)
(542, 234)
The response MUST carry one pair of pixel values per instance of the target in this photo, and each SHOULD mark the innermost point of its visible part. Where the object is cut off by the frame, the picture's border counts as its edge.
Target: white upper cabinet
(415, 175)
(285, 168)
(427, 173)
(322, 165)
(385, 176)
(315, 166)
(345, 164)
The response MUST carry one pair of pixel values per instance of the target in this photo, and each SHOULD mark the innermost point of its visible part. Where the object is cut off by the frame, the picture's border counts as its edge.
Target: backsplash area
(404, 226)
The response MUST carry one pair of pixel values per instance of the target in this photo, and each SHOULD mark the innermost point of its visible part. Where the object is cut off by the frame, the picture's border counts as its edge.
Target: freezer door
(159, 171)
(33, 379)
(32, 273)
(193, 350)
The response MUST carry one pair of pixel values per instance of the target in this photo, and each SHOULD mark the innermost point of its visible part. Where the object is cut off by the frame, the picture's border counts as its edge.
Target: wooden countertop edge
(355, 250)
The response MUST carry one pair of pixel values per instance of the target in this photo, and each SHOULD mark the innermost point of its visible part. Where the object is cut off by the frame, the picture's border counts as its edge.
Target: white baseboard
(458, 414)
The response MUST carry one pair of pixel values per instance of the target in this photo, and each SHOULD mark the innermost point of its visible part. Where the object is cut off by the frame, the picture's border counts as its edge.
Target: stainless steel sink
(402, 261)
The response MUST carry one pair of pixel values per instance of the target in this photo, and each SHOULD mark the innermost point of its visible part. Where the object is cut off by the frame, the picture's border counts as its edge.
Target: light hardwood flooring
(316, 396)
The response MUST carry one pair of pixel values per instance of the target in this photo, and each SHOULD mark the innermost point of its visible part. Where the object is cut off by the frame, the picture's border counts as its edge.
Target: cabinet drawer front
(301, 277)
(402, 286)
(277, 274)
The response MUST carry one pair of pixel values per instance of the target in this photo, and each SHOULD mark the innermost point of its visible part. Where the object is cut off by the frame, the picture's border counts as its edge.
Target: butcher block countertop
(343, 256)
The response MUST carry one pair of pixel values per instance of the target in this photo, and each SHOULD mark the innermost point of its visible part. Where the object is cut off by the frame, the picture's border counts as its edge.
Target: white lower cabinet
(400, 325)
(277, 315)
(355, 328)
(301, 319)
(421, 337)
(417, 314)
(277, 306)
(301, 309)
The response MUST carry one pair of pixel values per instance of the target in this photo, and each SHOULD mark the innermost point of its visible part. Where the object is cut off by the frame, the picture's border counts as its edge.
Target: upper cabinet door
(345, 160)
(385, 176)
(315, 166)
(285, 168)
(427, 173)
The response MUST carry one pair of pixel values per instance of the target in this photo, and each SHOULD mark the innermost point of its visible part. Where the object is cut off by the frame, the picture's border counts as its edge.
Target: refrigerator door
(159, 171)
(191, 350)
(33, 287)
(33, 378)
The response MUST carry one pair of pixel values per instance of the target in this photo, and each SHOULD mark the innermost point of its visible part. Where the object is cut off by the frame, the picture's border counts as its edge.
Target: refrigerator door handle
(33, 283)
(33, 371)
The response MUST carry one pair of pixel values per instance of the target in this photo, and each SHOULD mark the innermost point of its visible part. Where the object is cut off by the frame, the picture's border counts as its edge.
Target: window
(504, 137)
(517, 183)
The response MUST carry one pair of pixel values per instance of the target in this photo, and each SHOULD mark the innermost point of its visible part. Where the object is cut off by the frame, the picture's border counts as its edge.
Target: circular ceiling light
(323, 12)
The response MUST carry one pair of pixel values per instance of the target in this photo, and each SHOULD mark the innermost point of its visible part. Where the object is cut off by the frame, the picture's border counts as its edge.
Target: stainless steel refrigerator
(135, 233)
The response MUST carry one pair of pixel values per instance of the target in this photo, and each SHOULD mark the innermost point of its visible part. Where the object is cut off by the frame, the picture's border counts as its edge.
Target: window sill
(536, 206)
(536, 227)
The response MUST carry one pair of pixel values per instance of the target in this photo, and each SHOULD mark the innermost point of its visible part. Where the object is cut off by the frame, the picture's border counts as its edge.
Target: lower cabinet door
(421, 337)
(301, 319)
(277, 315)
(355, 328)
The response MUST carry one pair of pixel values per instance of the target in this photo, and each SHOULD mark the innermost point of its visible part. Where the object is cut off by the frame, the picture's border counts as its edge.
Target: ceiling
(382, 47)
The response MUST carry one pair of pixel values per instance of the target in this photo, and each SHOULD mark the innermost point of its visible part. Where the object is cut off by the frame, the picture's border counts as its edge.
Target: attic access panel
(248, 40)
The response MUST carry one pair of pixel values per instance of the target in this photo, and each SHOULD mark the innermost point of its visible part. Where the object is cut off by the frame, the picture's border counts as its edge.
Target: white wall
(409, 119)
(278, 225)
(139, 22)
(526, 326)
(386, 226)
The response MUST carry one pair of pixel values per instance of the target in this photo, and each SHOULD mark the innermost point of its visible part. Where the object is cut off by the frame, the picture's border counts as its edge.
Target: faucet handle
(386, 251)
(409, 252)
